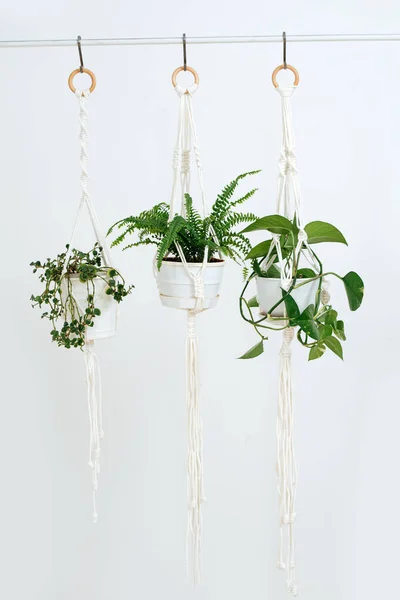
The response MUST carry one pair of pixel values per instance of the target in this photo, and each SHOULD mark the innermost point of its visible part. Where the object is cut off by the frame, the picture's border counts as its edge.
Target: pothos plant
(69, 320)
(191, 232)
(318, 326)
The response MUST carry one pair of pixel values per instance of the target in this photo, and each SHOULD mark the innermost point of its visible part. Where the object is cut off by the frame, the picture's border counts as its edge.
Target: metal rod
(160, 41)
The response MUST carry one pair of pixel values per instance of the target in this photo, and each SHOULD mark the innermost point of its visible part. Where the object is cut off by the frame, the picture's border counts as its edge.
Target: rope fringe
(95, 416)
(286, 464)
(195, 484)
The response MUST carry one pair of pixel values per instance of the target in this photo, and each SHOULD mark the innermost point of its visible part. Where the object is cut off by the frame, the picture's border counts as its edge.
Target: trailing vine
(318, 325)
(69, 321)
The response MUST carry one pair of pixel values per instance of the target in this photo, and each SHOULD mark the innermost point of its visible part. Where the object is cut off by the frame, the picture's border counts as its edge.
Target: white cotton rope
(95, 416)
(286, 465)
(288, 205)
(186, 145)
(195, 484)
(91, 360)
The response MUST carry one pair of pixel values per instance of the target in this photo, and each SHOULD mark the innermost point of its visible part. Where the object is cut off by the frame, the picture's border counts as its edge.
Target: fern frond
(175, 226)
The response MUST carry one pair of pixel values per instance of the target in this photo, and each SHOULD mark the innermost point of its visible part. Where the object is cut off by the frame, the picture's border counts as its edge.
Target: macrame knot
(286, 91)
(287, 163)
(281, 565)
(289, 518)
(82, 93)
(177, 159)
(325, 295)
(288, 334)
(191, 325)
(197, 156)
(185, 161)
(199, 286)
(294, 590)
(182, 91)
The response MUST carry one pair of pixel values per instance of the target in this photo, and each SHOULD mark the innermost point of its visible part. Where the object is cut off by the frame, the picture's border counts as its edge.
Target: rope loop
(182, 91)
(286, 91)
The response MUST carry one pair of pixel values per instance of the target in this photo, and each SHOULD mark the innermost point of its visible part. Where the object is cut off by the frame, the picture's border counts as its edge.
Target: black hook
(78, 41)
(184, 52)
(284, 50)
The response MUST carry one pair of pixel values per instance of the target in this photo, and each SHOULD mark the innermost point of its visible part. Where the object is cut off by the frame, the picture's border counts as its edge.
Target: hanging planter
(81, 292)
(189, 264)
(80, 296)
(292, 297)
(177, 288)
(269, 295)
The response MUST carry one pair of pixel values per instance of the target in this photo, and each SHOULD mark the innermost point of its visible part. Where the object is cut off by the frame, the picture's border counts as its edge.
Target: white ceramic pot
(176, 288)
(269, 292)
(105, 325)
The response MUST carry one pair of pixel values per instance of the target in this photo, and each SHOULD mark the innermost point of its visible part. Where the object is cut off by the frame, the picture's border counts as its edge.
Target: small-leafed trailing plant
(191, 232)
(69, 321)
(318, 326)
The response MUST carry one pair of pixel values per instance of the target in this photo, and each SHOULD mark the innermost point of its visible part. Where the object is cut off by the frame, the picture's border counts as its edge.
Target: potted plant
(291, 294)
(80, 296)
(193, 238)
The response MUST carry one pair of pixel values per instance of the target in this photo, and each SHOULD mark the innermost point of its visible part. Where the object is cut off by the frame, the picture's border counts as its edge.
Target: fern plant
(216, 232)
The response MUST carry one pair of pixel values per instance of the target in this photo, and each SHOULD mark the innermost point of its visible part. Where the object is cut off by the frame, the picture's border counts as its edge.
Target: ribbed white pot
(176, 287)
(269, 292)
(105, 325)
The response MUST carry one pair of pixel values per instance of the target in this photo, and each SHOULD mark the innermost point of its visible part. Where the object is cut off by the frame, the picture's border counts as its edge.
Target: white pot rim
(175, 263)
(279, 279)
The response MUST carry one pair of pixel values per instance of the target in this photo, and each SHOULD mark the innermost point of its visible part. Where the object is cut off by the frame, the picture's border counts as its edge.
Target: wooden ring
(179, 69)
(88, 72)
(280, 68)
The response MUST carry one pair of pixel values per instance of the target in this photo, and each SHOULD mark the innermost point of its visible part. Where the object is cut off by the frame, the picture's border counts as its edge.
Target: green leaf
(325, 331)
(260, 250)
(254, 351)
(316, 352)
(253, 302)
(272, 273)
(272, 223)
(354, 289)
(307, 324)
(292, 310)
(330, 318)
(333, 344)
(305, 273)
(319, 231)
(339, 331)
(97, 312)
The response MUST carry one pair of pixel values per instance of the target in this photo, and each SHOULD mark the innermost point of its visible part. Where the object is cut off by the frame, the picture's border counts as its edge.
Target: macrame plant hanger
(289, 205)
(185, 144)
(94, 394)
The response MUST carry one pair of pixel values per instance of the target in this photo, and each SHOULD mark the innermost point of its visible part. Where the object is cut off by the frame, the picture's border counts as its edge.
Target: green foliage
(69, 322)
(254, 351)
(318, 326)
(318, 231)
(191, 232)
(354, 289)
(273, 223)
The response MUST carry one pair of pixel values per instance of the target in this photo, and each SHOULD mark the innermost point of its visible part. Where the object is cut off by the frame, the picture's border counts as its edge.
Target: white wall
(347, 129)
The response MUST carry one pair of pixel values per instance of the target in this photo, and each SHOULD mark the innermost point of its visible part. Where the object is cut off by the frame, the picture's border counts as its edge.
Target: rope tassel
(195, 487)
(286, 464)
(95, 416)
